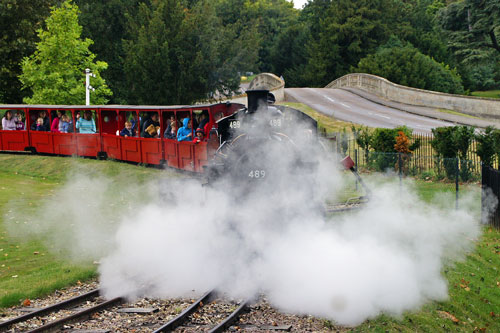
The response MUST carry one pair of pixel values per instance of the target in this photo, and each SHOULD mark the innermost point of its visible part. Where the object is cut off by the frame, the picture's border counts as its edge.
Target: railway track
(191, 319)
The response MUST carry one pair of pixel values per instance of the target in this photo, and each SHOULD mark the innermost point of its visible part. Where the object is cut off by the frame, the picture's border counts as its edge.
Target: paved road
(347, 106)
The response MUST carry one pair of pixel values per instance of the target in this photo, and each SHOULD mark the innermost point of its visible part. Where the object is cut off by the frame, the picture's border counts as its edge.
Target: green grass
(330, 124)
(247, 79)
(458, 113)
(489, 93)
(28, 267)
(474, 297)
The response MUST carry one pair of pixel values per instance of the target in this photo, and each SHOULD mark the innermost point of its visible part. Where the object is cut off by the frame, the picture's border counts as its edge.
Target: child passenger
(127, 131)
(65, 124)
(200, 136)
(39, 125)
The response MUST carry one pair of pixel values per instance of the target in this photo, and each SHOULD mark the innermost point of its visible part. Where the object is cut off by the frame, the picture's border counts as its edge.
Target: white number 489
(257, 174)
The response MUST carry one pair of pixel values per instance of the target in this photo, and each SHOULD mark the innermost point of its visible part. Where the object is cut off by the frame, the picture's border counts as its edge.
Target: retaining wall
(474, 106)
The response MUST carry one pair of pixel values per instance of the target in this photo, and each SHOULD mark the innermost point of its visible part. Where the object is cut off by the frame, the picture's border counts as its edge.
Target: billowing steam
(268, 238)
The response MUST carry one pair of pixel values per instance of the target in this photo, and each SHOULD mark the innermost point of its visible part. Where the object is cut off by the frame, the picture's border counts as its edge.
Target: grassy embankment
(489, 93)
(28, 267)
(330, 124)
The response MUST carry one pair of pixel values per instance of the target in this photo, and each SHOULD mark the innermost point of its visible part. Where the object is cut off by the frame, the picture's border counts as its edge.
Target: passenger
(172, 134)
(19, 118)
(86, 124)
(8, 121)
(203, 120)
(77, 116)
(185, 133)
(127, 131)
(46, 123)
(65, 126)
(55, 122)
(151, 127)
(39, 126)
(200, 136)
(170, 122)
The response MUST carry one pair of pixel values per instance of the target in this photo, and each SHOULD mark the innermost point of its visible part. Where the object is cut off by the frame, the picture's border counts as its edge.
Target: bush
(405, 65)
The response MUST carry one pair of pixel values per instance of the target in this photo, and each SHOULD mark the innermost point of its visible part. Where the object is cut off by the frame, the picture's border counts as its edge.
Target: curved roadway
(346, 106)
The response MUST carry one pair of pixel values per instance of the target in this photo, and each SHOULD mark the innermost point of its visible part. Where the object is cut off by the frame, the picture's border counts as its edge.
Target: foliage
(487, 144)
(176, 55)
(19, 20)
(55, 72)
(363, 137)
(104, 23)
(384, 143)
(452, 143)
(472, 29)
(405, 65)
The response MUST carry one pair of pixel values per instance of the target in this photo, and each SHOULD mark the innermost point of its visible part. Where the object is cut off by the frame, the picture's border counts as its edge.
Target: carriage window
(170, 124)
(110, 122)
(12, 120)
(128, 123)
(39, 120)
(86, 122)
(150, 124)
(186, 133)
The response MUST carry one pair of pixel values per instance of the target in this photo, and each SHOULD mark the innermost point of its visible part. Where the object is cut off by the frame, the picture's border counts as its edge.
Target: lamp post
(88, 87)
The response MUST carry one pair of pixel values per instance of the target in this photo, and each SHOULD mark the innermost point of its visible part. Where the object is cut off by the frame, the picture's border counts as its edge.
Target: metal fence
(490, 183)
(423, 159)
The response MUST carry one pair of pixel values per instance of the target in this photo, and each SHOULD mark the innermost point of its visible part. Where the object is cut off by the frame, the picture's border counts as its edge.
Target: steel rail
(182, 317)
(226, 323)
(56, 325)
(51, 308)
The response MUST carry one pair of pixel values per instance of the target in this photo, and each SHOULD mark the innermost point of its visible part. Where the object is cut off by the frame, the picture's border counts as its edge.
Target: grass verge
(489, 93)
(330, 124)
(29, 268)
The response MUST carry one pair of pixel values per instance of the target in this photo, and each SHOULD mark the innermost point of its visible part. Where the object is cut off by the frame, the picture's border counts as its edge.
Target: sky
(298, 3)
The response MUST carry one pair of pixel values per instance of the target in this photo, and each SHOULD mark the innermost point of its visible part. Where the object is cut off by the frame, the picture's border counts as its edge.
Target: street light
(88, 87)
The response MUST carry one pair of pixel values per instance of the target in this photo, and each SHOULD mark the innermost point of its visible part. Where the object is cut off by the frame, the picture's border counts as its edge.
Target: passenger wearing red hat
(200, 136)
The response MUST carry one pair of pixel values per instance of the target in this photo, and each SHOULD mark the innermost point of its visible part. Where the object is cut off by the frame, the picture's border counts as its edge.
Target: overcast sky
(298, 3)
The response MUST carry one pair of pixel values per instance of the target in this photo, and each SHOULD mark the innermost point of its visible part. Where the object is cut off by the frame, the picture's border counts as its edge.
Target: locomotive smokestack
(257, 99)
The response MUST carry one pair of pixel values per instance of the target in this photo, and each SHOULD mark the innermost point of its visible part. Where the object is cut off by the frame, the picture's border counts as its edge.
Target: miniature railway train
(110, 120)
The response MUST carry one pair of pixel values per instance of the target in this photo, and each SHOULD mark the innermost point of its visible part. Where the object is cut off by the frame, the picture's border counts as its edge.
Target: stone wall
(474, 106)
(264, 81)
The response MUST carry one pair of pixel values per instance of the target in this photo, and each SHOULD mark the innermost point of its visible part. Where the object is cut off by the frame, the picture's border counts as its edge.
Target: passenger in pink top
(55, 122)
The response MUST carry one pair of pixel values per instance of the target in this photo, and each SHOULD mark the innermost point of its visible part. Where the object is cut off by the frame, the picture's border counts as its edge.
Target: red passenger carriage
(106, 142)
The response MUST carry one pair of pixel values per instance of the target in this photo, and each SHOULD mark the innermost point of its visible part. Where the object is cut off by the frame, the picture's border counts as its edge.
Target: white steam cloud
(270, 238)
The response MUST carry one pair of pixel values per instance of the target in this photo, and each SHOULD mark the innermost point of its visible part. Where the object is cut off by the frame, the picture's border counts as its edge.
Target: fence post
(356, 164)
(457, 174)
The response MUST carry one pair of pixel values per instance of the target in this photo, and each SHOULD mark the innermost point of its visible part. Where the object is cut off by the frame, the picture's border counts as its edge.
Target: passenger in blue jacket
(185, 133)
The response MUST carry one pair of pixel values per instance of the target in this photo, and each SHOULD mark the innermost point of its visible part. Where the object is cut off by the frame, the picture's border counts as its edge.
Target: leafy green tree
(472, 28)
(405, 65)
(347, 32)
(55, 72)
(19, 20)
(178, 55)
(103, 22)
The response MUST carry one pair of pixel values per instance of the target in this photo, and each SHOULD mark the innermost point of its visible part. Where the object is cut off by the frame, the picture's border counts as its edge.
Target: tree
(472, 28)
(405, 65)
(19, 20)
(103, 22)
(179, 55)
(54, 72)
(348, 31)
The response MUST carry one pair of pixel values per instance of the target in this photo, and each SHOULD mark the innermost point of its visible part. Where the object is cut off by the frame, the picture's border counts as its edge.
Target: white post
(87, 86)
